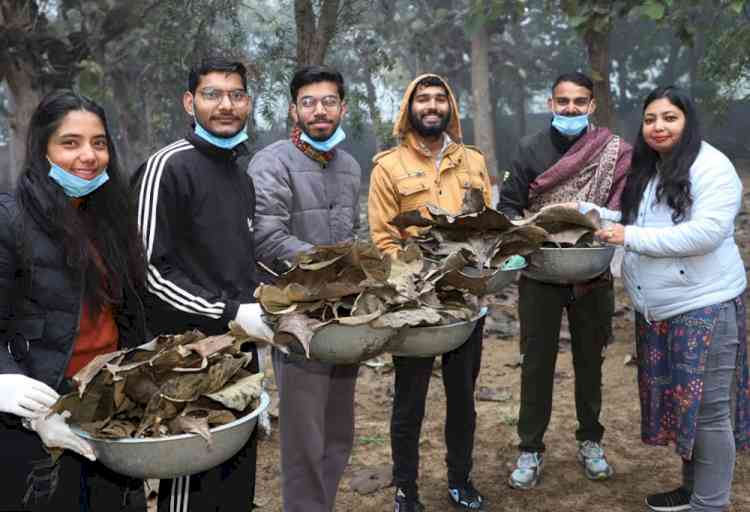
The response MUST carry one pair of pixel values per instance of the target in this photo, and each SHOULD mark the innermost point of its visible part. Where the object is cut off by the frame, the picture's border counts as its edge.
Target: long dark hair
(102, 226)
(674, 171)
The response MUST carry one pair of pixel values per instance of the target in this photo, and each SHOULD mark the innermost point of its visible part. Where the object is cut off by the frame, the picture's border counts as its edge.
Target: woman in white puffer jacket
(683, 272)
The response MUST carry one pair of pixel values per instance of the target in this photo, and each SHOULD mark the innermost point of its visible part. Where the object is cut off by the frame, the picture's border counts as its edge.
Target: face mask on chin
(72, 185)
(570, 125)
(327, 145)
(220, 142)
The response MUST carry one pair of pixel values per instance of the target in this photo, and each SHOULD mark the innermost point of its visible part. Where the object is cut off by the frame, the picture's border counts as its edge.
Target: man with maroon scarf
(307, 193)
(569, 161)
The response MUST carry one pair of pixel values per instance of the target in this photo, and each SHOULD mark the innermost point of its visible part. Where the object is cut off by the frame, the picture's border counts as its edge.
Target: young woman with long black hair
(71, 267)
(684, 274)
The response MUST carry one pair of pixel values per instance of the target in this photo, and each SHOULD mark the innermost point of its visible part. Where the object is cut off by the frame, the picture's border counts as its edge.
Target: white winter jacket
(671, 268)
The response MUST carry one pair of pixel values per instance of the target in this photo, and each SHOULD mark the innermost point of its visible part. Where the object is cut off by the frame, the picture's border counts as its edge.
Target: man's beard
(429, 131)
(317, 138)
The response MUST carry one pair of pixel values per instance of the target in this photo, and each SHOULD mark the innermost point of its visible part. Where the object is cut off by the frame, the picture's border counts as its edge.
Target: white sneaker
(528, 470)
(595, 465)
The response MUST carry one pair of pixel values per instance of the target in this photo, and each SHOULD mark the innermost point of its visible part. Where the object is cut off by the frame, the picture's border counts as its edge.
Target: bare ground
(640, 469)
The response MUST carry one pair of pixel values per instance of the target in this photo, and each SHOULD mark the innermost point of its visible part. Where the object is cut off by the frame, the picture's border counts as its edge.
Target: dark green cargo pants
(540, 308)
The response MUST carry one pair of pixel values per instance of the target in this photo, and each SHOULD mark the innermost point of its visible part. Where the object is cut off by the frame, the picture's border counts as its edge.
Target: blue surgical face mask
(326, 145)
(220, 142)
(72, 185)
(570, 125)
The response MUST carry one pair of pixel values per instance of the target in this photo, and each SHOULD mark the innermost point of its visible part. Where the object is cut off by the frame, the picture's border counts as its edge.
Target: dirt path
(640, 469)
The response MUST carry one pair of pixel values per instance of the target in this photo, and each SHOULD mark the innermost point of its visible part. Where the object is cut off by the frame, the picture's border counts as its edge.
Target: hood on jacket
(403, 126)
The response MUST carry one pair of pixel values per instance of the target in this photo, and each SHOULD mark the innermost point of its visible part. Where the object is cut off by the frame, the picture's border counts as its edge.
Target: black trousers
(228, 487)
(31, 482)
(460, 371)
(540, 307)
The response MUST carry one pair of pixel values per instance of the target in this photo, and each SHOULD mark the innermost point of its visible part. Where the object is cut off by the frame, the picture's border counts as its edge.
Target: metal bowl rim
(495, 272)
(482, 312)
(577, 249)
(265, 401)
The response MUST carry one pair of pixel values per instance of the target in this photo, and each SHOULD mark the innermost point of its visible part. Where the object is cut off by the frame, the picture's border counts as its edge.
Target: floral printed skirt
(671, 362)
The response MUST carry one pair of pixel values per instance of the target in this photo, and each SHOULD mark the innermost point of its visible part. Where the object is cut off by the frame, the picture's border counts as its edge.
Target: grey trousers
(316, 423)
(709, 474)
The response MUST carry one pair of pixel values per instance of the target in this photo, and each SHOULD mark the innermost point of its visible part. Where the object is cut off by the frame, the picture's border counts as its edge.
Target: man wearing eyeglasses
(431, 165)
(195, 211)
(308, 194)
(569, 160)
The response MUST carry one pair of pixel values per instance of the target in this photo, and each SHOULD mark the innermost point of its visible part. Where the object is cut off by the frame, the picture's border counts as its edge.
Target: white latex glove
(24, 396)
(249, 316)
(56, 433)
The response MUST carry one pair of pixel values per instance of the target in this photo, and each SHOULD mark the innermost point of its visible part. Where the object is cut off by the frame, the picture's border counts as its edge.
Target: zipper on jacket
(75, 333)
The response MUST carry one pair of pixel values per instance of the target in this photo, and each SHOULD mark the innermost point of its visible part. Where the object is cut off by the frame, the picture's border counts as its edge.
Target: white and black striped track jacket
(195, 213)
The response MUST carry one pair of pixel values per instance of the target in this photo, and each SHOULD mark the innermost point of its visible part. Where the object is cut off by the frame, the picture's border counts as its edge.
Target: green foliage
(727, 63)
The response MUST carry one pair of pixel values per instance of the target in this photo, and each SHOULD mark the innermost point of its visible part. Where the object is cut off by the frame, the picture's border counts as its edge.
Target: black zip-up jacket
(195, 213)
(535, 154)
(40, 301)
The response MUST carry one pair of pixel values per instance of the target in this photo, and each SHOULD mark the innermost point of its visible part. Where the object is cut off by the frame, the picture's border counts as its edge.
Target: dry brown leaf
(238, 395)
(210, 345)
(86, 374)
(568, 236)
(297, 327)
(188, 387)
(191, 425)
(408, 317)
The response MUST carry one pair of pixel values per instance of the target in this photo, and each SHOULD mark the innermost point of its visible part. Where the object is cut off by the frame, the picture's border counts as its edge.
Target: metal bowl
(568, 265)
(477, 282)
(346, 344)
(433, 340)
(173, 456)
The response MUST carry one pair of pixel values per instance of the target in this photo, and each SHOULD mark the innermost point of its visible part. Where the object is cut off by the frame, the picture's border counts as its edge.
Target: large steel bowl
(173, 456)
(346, 344)
(568, 265)
(432, 340)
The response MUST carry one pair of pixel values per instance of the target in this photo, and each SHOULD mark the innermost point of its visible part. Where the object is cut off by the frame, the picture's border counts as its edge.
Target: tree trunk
(484, 125)
(25, 98)
(520, 105)
(597, 44)
(372, 105)
(314, 36)
(670, 69)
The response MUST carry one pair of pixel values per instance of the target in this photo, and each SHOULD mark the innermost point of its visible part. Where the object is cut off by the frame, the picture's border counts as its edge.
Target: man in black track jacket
(195, 212)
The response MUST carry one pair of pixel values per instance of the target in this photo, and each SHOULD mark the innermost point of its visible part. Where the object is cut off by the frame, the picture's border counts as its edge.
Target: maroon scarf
(321, 157)
(594, 170)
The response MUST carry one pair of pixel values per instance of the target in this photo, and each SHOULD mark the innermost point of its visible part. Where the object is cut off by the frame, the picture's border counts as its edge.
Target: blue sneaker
(528, 470)
(595, 465)
(465, 496)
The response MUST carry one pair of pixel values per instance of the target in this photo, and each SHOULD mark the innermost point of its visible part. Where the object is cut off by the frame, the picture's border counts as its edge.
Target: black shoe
(465, 496)
(406, 503)
(672, 501)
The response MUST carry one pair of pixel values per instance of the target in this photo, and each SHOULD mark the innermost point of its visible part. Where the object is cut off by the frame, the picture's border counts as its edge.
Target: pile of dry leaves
(427, 284)
(171, 385)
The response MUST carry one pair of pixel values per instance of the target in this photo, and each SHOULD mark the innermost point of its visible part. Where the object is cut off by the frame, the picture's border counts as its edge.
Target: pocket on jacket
(413, 191)
(467, 180)
(663, 273)
(700, 268)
